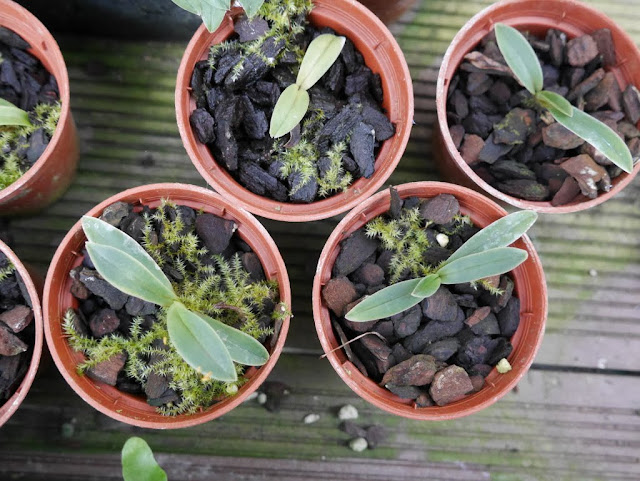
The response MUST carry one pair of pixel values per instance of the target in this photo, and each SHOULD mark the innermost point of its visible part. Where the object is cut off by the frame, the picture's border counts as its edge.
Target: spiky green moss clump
(212, 285)
(15, 138)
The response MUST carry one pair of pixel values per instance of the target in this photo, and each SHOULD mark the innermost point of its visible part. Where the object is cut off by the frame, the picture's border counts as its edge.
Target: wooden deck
(574, 417)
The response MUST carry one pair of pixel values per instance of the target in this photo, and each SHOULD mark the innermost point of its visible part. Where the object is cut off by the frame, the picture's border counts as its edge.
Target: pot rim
(534, 322)
(261, 243)
(531, 14)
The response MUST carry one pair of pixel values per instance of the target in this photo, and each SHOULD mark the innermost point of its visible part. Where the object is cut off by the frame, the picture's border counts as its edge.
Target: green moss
(212, 285)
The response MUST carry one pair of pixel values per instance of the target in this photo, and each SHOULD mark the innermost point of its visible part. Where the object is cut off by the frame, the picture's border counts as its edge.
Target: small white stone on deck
(347, 412)
(262, 398)
(251, 397)
(311, 418)
(593, 273)
(358, 444)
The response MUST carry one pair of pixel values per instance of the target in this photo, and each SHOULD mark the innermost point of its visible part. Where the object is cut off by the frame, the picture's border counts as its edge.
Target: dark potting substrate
(17, 331)
(334, 145)
(440, 350)
(28, 85)
(515, 147)
(204, 257)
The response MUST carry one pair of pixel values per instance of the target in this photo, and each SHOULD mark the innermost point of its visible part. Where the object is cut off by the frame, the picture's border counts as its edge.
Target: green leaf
(520, 57)
(128, 275)
(251, 7)
(386, 302)
(213, 12)
(192, 6)
(321, 54)
(138, 463)
(242, 348)
(289, 111)
(427, 286)
(102, 233)
(199, 344)
(598, 134)
(554, 102)
(12, 115)
(500, 233)
(483, 264)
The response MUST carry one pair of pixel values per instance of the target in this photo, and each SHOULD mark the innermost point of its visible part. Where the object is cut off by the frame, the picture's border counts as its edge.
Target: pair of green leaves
(138, 463)
(212, 12)
(12, 115)
(293, 103)
(524, 64)
(483, 255)
(206, 344)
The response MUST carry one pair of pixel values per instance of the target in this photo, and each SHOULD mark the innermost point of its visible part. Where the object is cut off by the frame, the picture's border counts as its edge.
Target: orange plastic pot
(536, 16)
(388, 10)
(109, 400)
(381, 54)
(53, 172)
(530, 287)
(34, 289)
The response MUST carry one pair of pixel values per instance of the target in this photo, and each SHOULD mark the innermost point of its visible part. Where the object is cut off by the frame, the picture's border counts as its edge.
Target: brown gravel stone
(440, 209)
(587, 172)
(450, 385)
(337, 293)
(569, 190)
(559, 137)
(581, 50)
(415, 371)
(17, 318)
(631, 103)
(10, 344)
(107, 371)
(606, 47)
(471, 148)
(457, 134)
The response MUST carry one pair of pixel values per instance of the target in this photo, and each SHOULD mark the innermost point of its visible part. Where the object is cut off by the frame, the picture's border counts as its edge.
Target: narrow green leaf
(321, 54)
(289, 111)
(138, 463)
(599, 135)
(102, 233)
(213, 12)
(242, 348)
(11, 115)
(387, 302)
(500, 233)
(520, 57)
(483, 264)
(199, 344)
(553, 101)
(427, 286)
(192, 6)
(128, 275)
(251, 7)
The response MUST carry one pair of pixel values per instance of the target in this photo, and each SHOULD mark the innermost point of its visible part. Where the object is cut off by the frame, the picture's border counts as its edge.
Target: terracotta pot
(536, 16)
(387, 10)
(57, 299)
(53, 172)
(34, 289)
(530, 287)
(381, 53)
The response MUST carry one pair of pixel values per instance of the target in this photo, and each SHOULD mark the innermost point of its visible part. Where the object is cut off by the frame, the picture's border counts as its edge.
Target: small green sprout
(138, 463)
(524, 64)
(206, 344)
(213, 11)
(12, 115)
(483, 255)
(293, 103)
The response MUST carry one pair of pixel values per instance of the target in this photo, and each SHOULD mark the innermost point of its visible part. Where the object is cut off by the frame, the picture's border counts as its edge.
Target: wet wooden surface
(574, 417)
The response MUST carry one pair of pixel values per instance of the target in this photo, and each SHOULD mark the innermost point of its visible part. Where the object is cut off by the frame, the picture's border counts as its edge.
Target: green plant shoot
(293, 103)
(483, 255)
(12, 115)
(138, 463)
(524, 64)
(206, 344)
(212, 12)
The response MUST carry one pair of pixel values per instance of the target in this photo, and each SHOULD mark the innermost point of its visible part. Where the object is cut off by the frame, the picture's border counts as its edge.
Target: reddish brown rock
(17, 318)
(10, 344)
(604, 41)
(559, 137)
(478, 382)
(337, 293)
(457, 134)
(477, 316)
(415, 371)
(586, 85)
(107, 371)
(600, 95)
(569, 190)
(369, 275)
(631, 103)
(471, 148)
(587, 172)
(581, 50)
(516, 126)
(379, 351)
(450, 385)
(440, 209)
(441, 306)
(103, 322)
(424, 401)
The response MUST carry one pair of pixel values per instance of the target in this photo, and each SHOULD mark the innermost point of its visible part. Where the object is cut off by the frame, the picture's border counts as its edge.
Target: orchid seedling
(293, 103)
(212, 12)
(483, 255)
(524, 64)
(12, 115)
(206, 344)
(138, 463)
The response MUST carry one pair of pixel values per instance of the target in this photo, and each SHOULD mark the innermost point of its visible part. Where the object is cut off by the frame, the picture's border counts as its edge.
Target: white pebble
(251, 396)
(503, 366)
(602, 363)
(593, 273)
(358, 444)
(262, 398)
(311, 418)
(442, 239)
(347, 412)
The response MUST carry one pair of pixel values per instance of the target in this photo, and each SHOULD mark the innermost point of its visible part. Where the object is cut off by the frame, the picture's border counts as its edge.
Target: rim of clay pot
(382, 55)
(11, 405)
(388, 10)
(107, 399)
(52, 162)
(530, 287)
(537, 16)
